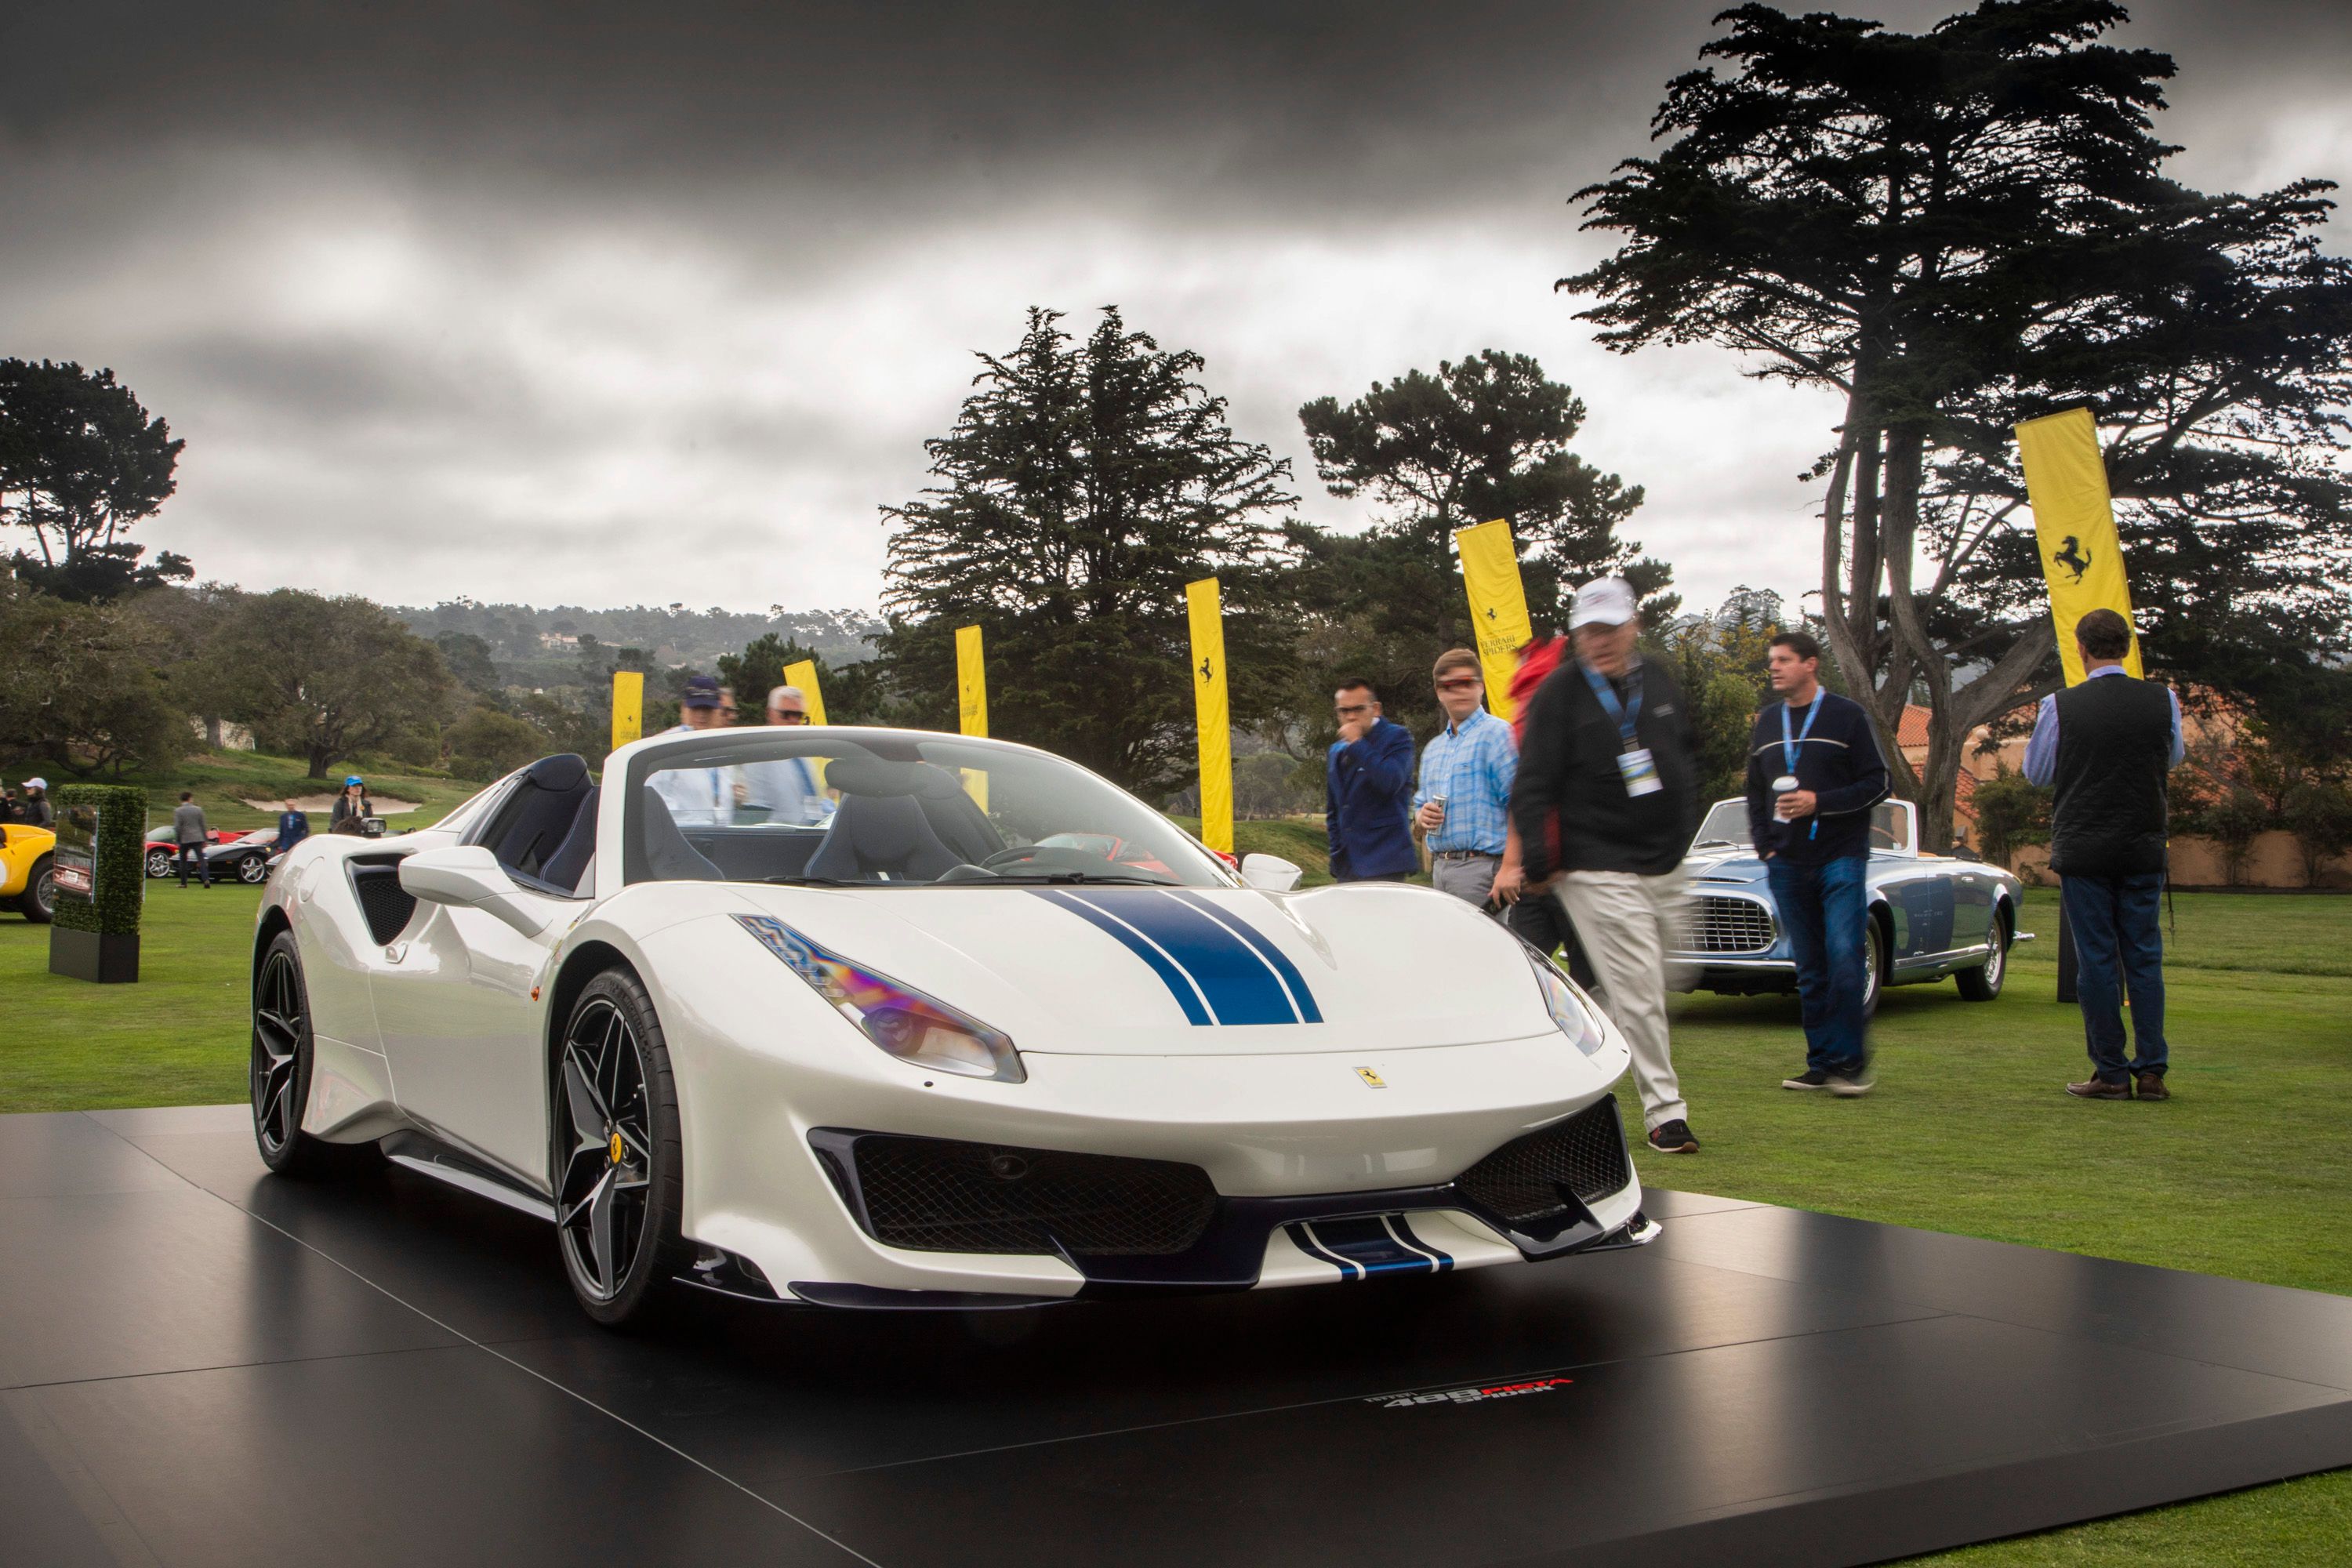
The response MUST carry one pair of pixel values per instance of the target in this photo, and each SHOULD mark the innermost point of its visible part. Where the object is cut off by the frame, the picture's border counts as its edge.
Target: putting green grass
(2247, 1171)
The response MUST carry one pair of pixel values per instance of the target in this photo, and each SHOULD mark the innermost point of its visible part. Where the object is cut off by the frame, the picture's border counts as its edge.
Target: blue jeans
(1822, 908)
(2117, 937)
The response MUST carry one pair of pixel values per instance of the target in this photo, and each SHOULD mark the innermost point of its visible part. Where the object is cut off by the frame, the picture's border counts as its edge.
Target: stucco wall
(2275, 861)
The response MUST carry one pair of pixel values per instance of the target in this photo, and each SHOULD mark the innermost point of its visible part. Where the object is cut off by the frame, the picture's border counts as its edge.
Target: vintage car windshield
(1726, 827)
(853, 807)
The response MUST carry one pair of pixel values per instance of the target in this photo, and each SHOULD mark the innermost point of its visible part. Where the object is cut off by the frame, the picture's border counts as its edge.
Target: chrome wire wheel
(278, 1023)
(160, 863)
(601, 1196)
(1874, 965)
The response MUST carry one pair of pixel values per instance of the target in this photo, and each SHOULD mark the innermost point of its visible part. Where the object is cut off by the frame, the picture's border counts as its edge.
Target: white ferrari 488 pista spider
(886, 1019)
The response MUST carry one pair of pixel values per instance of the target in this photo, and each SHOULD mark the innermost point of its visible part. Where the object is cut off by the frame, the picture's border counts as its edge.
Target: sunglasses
(790, 716)
(1472, 684)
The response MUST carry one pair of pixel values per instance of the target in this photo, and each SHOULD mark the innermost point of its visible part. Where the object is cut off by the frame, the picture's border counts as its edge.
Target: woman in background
(351, 806)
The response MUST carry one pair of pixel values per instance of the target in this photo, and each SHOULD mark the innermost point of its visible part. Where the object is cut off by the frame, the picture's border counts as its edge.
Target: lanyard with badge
(1635, 763)
(1790, 746)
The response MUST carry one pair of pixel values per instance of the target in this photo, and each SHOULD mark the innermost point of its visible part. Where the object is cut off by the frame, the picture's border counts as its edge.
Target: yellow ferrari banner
(803, 675)
(971, 704)
(1498, 605)
(2074, 524)
(1215, 718)
(628, 707)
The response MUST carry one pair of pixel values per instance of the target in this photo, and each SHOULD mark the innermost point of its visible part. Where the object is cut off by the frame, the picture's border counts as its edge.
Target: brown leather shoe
(2099, 1089)
(2151, 1087)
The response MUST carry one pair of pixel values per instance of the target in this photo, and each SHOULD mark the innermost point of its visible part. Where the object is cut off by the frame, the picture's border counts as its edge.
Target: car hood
(1730, 868)
(1128, 970)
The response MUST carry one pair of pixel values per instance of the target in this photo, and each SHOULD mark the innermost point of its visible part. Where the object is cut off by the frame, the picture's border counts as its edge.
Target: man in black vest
(2106, 744)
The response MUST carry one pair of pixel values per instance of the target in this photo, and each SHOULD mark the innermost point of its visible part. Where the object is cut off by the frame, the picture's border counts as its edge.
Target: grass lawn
(2247, 1171)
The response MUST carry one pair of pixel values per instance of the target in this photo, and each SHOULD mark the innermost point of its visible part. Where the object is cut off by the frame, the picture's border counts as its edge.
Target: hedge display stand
(101, 882)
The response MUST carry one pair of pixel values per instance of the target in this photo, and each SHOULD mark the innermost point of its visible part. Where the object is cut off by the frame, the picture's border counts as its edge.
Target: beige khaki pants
(1628, 924)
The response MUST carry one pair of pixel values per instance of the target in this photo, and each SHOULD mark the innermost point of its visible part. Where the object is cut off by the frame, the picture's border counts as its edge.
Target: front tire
(1874, 960)
(1983, 983)
(39, 899)
(160, 863)
(280, 1073)
(620, 1194)
(253, 870)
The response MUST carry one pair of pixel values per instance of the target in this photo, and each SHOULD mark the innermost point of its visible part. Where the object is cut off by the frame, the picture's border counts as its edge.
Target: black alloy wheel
(39, 899)
(253, 870)
(160, 862)
(280, 1073)
(618, 1192)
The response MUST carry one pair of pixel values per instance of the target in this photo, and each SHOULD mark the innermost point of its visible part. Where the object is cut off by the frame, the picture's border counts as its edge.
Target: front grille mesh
(936, 1195)
(1729, 926)
(1520, 1181)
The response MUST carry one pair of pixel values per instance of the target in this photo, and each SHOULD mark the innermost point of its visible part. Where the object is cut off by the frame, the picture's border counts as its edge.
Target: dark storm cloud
(519, 286)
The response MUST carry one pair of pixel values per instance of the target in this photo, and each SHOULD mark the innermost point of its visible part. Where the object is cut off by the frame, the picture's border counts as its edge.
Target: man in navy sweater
(1813, 772)
(1368, 791)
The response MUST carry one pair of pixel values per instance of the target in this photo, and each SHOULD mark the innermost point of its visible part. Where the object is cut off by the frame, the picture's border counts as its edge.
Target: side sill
(430, 1157)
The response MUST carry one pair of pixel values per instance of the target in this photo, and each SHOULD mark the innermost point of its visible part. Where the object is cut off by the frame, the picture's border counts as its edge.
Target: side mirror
(469, 876)
(371, 827)
(1269, 873)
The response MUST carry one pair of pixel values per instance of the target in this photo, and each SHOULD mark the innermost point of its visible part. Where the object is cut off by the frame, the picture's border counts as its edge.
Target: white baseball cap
(37, 783)
(1603, 602)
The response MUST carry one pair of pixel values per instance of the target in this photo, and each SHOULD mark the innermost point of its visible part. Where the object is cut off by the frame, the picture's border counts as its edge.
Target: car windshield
(855, 808)
(1726, 827)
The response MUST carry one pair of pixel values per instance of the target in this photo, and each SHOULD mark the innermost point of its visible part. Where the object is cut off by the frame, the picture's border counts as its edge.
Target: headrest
(882, 776)
(564, 772)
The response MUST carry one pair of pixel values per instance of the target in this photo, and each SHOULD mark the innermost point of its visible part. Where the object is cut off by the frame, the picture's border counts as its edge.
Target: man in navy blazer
(1368, 791)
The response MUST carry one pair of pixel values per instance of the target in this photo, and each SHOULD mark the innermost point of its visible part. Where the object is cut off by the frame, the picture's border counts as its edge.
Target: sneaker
(1812, 1078)
(2099, 1089)
(1848, 1085)
(1674, 1138)
(2151, 1087)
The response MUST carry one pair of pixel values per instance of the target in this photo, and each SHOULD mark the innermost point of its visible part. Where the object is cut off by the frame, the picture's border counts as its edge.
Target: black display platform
(202, 1364)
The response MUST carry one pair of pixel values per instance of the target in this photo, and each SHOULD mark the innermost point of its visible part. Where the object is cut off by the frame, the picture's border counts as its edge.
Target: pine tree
(1082, 485)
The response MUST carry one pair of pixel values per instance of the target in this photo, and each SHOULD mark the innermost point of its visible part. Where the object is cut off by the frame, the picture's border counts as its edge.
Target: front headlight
(1570, 1011)
(902, 1020)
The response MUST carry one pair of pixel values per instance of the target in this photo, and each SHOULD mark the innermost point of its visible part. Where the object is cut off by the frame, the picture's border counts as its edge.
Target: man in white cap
(1606, 801)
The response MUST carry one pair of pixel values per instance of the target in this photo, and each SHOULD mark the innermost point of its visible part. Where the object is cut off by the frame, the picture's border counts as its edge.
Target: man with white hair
(1606, 800)
(787, 787)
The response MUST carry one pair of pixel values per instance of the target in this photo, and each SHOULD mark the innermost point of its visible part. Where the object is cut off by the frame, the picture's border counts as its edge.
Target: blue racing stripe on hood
(1277, 960)
(1180, 985)
(1199, 957)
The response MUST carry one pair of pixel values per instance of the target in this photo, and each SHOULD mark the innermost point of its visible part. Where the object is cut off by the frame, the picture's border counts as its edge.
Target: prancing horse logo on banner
(2070, 555)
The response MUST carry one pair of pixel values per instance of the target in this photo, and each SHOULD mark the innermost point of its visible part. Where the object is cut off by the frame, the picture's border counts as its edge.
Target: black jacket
(1571, 802)
(1839, 761)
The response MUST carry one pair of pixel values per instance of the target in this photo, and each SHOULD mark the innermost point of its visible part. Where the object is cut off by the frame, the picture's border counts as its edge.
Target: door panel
(465, 1035)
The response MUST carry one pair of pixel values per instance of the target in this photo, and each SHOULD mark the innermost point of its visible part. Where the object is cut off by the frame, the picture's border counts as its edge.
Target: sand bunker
(384, 804)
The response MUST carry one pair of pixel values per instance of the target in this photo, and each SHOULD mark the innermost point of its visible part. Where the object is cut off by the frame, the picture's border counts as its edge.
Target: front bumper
(1538, 1196)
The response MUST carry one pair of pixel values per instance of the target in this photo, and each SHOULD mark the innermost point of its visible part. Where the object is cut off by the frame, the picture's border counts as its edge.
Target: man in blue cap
(699, 797)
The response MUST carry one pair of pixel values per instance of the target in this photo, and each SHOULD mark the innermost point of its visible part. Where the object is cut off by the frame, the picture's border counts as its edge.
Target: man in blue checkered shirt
(1463, 804)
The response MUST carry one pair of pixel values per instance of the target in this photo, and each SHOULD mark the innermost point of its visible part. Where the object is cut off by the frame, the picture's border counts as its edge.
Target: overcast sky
(592, 304)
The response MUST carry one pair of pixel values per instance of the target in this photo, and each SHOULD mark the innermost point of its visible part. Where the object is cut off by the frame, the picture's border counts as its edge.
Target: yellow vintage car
(28, 881)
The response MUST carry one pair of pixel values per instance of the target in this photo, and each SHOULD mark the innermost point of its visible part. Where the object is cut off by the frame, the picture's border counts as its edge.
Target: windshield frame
(655, 754)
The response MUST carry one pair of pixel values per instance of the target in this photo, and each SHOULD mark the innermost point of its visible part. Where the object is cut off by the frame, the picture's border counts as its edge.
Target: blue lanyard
(1788, 747)
(1627, 713)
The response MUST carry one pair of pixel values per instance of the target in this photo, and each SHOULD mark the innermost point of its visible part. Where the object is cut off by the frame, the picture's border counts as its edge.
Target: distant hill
(520, 633)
